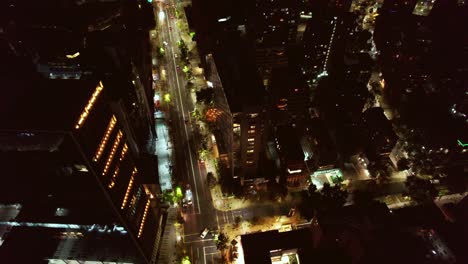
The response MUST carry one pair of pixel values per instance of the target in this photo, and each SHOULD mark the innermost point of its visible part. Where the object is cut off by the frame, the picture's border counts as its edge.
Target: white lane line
(200, 240)
(233, 217)
(217, 220)
(193, 234)
(204, 255)
(185, 127)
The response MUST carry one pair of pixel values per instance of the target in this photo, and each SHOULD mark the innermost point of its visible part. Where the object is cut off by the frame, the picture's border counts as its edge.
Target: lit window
(250, 151)
(251, 131)
(114, 177)
(252, 127)
(129, 188)
(249, 162)
(112, 153)
(105, 138)
(145, 213)
(89, 106)
(124, 152)
(251, 139)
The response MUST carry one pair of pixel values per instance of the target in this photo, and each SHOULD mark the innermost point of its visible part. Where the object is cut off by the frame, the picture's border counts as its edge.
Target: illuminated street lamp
(72, 56)
(161, 15)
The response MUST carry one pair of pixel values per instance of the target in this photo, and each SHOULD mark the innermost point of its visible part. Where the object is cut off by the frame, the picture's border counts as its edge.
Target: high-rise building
(380, 137)
(245, 96)
(272, 26)
(71, 159)
(75, 130)
(290, 97)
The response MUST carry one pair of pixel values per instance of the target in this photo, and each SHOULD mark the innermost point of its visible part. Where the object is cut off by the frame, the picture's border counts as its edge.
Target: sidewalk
(163, 152)
(167, 251)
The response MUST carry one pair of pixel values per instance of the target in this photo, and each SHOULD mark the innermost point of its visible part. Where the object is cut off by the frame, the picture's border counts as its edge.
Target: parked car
(204, 233)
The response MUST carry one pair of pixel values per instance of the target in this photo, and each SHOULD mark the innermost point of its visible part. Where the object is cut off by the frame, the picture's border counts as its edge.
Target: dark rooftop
(33, 103)
(289, 143)
(57, 14)
(376, 121)
(257, 246)
(327, 151)
(238, 74)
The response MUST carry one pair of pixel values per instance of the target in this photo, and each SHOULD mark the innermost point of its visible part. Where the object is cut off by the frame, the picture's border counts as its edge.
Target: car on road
(204, 233)
(165, 43)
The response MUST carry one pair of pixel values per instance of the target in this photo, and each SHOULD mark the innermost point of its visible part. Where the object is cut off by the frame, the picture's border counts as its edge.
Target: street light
(161, 15)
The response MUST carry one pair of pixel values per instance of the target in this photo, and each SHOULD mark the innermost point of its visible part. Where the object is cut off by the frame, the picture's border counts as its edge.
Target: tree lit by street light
(212, 114)
(186, 260)
(167, 98)
(178, 192)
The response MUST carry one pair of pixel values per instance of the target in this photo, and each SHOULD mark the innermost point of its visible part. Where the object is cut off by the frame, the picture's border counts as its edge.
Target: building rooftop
(289, 144)
(33, 103)
(258, 246)
(238, 74)
(61, 244)
(326, 149)
(57, 14)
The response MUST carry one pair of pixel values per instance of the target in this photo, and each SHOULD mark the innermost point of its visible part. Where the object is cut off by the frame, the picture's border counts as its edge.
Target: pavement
(167, 252)
(163, 152)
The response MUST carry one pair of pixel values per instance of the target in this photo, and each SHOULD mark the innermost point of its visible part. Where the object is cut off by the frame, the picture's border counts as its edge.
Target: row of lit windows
(124, 152)
(105, 138)
(145, 213)
(112, 153)
(114, 177)
(129, 188)
(117, 168)
(89, 106)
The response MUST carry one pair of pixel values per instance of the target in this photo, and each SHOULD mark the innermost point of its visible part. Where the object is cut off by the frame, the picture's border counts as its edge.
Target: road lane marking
(193, 234)
(196, 241)
(185, 127)
(204, 255)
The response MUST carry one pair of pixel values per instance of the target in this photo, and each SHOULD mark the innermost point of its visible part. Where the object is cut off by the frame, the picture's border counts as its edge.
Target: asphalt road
(187, 168)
